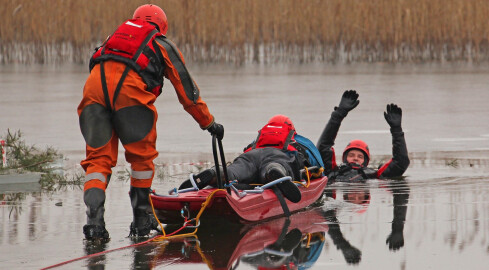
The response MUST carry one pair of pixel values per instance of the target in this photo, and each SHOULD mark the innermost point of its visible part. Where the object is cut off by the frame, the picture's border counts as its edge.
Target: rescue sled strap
(281, 199)
(313, 172)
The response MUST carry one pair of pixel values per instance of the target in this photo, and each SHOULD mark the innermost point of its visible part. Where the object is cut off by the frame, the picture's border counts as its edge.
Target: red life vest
(275, 134)
(133, 43)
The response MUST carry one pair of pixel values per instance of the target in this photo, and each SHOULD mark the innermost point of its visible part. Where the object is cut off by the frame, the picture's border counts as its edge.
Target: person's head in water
(356, 152)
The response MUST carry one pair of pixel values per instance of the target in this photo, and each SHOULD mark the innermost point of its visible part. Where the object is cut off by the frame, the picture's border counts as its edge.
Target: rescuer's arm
(187, 91)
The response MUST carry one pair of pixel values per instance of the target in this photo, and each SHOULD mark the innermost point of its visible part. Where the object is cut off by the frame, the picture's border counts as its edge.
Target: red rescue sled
(234, 204)
(252, 207)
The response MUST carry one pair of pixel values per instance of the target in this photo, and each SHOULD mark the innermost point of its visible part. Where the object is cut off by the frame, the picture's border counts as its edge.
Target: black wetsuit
(395, 167)
(249, 167)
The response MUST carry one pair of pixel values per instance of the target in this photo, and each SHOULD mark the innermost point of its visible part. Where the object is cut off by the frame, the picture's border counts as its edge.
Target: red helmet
(281, 119)
(358, 145)
(154, 14)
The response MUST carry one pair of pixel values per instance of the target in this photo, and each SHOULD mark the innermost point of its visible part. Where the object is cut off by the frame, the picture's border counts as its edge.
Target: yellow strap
(314, 175)
(308, 178)
(204, 205)
(319, 173)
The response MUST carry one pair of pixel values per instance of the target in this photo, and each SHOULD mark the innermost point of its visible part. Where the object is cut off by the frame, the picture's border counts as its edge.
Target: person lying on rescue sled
(126, 77)
(356, 155)
(278, 151)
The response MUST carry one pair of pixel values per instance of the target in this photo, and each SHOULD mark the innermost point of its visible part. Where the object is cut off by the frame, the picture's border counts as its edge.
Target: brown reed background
(242, 31)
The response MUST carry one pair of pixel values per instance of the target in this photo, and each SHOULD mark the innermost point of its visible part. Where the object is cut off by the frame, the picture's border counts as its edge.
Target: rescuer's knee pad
(95, 125)
(133, 123)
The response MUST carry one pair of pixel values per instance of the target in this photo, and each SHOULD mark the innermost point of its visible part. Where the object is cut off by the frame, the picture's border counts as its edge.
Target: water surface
(445, 116)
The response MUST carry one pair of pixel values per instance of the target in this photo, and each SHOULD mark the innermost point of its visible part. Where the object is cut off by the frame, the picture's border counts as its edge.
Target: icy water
(444, 198)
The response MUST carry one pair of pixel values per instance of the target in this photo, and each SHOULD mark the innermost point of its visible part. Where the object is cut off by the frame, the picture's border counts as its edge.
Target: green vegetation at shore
(23, 158)
(258, 30)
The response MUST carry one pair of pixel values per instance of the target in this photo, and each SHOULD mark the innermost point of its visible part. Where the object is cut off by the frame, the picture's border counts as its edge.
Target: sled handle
(220, 182)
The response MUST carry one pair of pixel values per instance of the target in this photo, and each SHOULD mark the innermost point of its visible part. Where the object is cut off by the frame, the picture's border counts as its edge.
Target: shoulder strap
(257, 137)
(134, 58)
(144, 44)
(159, 55)
(104, 87)
(119, 84)
(188, 83)
(288, 140)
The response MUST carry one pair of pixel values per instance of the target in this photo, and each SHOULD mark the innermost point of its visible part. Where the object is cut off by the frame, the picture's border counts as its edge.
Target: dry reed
(244, 31)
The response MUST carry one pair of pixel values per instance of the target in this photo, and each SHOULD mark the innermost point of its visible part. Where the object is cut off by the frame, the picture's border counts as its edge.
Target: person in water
(126, 77)
(356, 155)
(278, 151)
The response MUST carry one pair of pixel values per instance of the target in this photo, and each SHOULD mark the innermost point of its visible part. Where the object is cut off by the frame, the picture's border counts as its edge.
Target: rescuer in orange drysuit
(126, 77)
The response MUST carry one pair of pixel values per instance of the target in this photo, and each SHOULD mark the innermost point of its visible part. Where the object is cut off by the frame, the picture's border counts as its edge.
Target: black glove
(216, 129)
(395, 241)
(393, 117)
(352, 255)
(348, 102)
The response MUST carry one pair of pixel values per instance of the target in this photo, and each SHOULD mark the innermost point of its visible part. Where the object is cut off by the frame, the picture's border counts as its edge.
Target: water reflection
(400, 192)
(293, 249)
(447, 224)
(294, 242)
(12, 201)
(401, 221)
(96, 262)
(20, 187)
(359, 195)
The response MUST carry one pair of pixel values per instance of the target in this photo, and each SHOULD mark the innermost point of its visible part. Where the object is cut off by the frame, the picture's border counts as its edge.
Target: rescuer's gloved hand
(216, 129)
(348, 102)
(393, 117)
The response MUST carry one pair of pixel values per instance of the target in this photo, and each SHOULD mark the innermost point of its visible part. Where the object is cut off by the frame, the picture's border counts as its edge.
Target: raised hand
(348, 102)
(393, 116)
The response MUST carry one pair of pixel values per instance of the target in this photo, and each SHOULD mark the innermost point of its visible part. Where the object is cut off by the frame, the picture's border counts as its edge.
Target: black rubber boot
(274, 171)
(143, 222)
(95, 228)
(203, 179)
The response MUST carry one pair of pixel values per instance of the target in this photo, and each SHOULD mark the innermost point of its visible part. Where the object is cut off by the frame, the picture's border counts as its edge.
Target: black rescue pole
(220, 182)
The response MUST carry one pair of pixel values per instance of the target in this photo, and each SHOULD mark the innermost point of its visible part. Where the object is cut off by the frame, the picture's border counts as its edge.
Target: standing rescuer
(126, 77)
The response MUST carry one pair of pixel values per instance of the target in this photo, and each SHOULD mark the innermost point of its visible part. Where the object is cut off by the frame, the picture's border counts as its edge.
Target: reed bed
(266, 31)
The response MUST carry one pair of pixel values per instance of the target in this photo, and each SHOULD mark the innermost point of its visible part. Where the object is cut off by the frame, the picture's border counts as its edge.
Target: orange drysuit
(132, 119)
